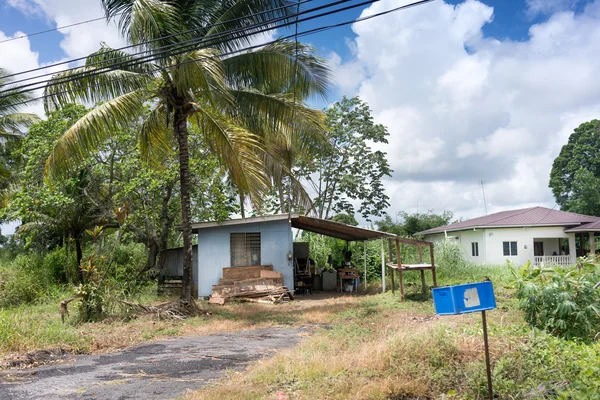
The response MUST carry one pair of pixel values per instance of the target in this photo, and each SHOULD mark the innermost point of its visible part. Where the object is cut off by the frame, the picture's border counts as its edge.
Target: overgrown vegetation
(562, 301)
(380, 348)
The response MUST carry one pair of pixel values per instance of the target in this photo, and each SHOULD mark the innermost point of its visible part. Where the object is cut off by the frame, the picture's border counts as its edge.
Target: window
(245, 249)
(510, 248)
(475, 249)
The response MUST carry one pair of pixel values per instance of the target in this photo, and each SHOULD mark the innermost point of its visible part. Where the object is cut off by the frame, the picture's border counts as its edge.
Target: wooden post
(392, 279)
(401, 284)
(487, 356)
(423, 286)
(592, 243)
(420, 254)
(382, 266)
(432, 265)
(365, 258)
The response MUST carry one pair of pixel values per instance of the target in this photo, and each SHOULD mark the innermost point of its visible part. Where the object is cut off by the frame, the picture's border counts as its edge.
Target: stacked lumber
(257, 283)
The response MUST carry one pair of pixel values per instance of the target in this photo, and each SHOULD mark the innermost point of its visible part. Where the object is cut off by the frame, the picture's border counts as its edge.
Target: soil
(159, 370)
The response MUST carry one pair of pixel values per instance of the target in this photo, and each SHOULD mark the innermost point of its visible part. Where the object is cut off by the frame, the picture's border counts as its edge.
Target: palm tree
(12, 121)
(238, 102)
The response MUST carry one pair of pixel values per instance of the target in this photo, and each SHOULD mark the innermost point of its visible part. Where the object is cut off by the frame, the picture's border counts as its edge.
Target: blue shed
(265, 240)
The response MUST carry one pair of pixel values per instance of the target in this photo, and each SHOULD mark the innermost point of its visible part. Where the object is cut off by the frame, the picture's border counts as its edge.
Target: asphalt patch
(159, 370)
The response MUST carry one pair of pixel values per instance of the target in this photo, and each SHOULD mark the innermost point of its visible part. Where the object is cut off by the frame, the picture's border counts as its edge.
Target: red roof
(516, 218)
(590, 227)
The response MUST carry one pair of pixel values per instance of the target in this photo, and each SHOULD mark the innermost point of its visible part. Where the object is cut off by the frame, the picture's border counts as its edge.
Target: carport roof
(317, 225)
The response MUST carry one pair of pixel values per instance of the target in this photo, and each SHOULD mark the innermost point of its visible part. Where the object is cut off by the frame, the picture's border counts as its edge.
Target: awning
(337, 229)
(317, 225)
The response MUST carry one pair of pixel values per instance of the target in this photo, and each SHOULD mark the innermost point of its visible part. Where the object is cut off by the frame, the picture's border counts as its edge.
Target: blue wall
(214, 249)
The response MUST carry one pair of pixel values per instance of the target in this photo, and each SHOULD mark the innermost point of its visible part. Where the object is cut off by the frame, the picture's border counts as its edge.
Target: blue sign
(463, 299)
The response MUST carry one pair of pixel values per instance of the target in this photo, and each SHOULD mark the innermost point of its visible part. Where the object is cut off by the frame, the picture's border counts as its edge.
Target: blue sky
(511, 21)
(469, 90)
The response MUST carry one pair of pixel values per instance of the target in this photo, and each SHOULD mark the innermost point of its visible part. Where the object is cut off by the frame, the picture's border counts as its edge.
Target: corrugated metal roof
(591, 227)
(516, 218)
(322, 226)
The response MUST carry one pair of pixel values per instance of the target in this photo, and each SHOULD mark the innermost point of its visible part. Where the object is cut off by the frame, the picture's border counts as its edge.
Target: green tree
(235, 101)
(575, 174)
(346, 170)
(51, 214)
(409, 224)
(12, 122)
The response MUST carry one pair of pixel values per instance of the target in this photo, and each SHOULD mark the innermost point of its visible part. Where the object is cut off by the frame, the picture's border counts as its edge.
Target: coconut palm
(238, 102)
(12, 120)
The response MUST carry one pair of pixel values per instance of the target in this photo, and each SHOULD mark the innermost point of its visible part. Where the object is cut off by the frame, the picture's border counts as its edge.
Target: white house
(536, 234)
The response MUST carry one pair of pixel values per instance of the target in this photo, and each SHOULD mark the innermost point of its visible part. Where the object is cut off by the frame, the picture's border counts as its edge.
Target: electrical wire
(301, 34)
(191, 44)
(149, 41)
(54, 29)
(181, 47)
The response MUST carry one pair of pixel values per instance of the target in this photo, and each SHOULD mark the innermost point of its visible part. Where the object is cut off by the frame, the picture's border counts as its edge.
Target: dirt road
(159, 370)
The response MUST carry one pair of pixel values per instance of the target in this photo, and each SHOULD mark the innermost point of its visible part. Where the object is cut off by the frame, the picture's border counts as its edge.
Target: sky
(470, 91)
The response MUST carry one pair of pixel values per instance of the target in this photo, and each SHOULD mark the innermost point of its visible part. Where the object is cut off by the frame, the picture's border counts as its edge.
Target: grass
(361, 347)
(383, 349)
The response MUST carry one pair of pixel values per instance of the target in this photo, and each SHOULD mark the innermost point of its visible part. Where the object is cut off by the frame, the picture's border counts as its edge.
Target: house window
(245, 249)
(475, 249)
(510, 248)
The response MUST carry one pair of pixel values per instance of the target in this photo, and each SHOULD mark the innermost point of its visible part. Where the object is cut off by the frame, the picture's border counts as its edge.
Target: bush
(561, 301)
(19, 287)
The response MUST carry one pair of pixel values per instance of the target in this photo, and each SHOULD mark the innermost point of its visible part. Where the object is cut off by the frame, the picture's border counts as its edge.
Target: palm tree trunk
(181, 132)
(242, 211)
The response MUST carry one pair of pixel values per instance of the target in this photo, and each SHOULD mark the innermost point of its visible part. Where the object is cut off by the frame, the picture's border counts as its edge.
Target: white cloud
(535, 7)
(22, 58)
(462, 108)
(80, 40)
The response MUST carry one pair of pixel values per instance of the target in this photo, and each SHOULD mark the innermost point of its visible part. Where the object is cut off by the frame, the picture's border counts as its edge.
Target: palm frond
(12, 125)
(141, 21)
(273, 69)
(12, 101)
(91, 89)
(92, 129)
(107, 57)
(236, 20)
(155, 139)
(276, 114)
(238, 149)
(199, 73)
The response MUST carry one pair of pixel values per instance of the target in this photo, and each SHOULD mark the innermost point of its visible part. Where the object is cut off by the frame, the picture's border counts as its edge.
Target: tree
(12, 120)
(410, 224)
(235, 101)
(576, 171)
(346, 169)
(51, 214)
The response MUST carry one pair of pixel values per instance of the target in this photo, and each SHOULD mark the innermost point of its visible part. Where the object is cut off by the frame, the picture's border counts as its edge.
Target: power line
(189, 45)
(150, 41)
(54, 29)
(301, 34)
(182, 46)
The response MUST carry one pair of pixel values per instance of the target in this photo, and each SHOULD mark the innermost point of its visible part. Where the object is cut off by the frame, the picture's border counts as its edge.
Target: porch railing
(553, 260)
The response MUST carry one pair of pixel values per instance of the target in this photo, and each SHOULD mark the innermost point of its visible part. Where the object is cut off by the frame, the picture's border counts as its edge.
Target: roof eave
(471, 228)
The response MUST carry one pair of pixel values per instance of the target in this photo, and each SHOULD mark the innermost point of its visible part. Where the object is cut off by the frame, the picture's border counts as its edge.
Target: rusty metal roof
(317, 225)
(534, 216)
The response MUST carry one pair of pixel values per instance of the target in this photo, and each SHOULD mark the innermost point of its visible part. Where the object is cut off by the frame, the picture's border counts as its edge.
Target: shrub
(561, 301)
(19, 287)
(448, 253)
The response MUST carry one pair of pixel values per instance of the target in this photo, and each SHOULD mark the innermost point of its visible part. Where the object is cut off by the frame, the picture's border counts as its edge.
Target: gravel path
(159, 370)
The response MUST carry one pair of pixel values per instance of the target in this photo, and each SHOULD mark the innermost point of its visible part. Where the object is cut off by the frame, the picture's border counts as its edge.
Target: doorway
(538, 248)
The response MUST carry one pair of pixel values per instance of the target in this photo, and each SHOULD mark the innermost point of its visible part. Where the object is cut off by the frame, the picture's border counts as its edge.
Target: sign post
(468, 298)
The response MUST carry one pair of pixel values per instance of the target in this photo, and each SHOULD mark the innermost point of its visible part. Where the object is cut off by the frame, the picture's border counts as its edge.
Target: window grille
(475, 249)
(245, 249)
